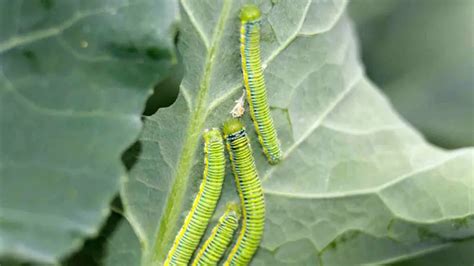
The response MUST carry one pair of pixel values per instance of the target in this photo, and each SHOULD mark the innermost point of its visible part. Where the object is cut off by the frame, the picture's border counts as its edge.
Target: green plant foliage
(356, 185)
(420, 53)
(123, 247)
(74, 77)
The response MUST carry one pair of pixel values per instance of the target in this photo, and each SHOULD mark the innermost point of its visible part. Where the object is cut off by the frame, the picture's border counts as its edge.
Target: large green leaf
(74, 76)
(357, 184)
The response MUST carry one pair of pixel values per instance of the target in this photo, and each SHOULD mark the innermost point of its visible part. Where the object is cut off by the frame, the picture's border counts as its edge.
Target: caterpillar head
(249, 13)
(232, 126)
(233, 207)
(212, 135)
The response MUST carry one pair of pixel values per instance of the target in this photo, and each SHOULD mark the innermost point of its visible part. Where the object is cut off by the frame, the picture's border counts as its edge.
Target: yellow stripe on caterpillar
(214, 247)
(197, 220)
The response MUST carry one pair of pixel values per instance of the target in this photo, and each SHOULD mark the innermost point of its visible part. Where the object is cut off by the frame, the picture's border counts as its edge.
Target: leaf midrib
(171, 214)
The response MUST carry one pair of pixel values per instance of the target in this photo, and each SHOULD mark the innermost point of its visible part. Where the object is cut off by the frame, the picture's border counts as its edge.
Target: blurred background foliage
(420, 53)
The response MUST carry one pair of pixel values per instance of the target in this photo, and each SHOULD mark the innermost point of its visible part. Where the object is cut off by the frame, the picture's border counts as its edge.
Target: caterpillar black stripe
(250, 192)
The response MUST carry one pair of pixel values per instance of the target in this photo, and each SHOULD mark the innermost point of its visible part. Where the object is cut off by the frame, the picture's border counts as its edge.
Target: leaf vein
(52, 31)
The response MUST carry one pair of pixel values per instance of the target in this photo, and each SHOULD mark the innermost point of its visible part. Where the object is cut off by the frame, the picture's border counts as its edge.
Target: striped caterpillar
(255, 83)
(197, 220)
(214, 247)
(250, 193)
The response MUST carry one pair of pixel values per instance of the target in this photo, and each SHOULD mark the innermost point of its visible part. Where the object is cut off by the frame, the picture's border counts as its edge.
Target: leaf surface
(460, 253)
(74, 77)
(356, 185)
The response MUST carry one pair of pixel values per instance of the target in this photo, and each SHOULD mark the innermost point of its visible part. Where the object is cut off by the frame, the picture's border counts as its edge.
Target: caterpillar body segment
(215, 246)
(250, 192)
(197, 220)
(254, 83)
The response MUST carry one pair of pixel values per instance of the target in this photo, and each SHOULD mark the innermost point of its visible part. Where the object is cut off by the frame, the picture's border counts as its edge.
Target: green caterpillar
(255, 83)
(214, 247)
(204, 204)
(250, 193)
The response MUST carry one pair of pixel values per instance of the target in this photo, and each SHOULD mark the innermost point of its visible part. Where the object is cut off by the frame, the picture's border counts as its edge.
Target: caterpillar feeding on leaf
(254, 82)
(197, 220)
(214, 247)
(250, 193)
